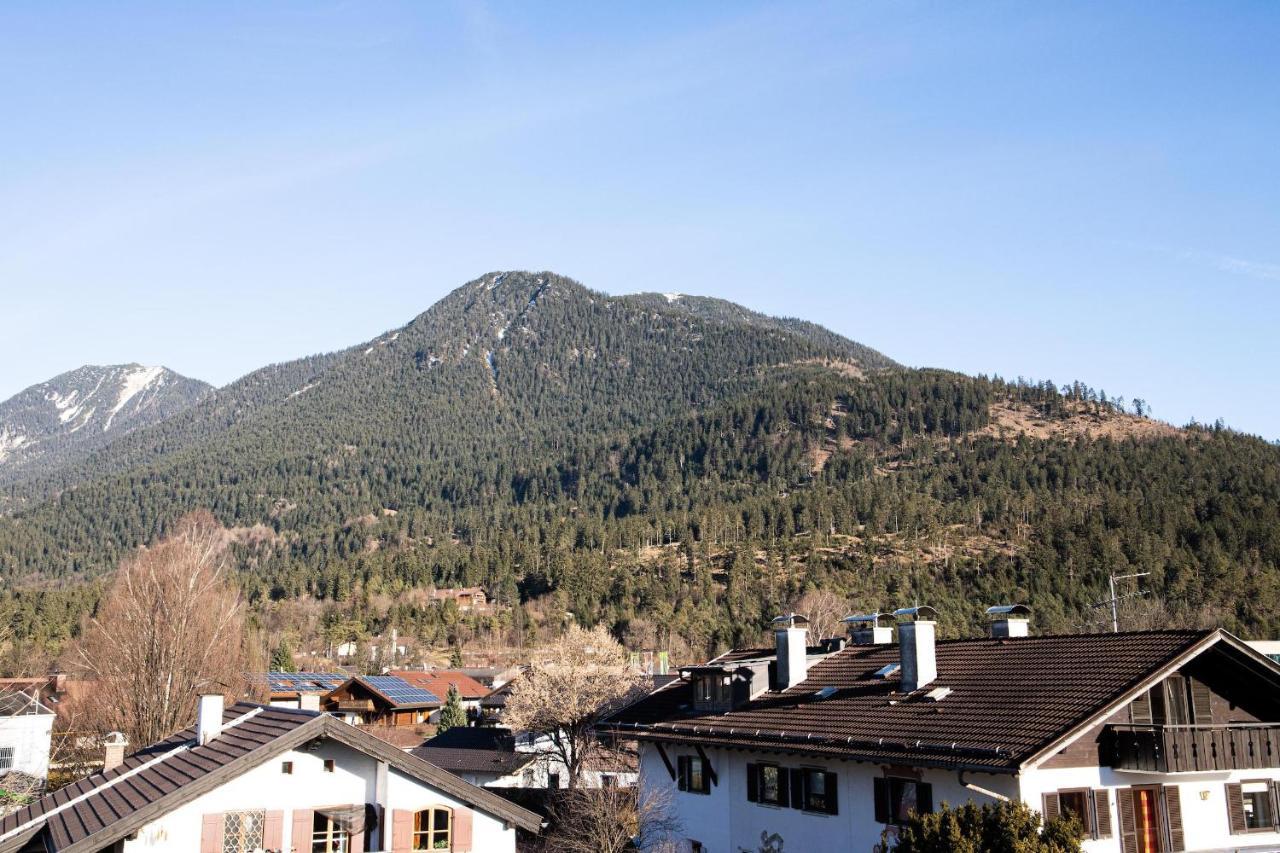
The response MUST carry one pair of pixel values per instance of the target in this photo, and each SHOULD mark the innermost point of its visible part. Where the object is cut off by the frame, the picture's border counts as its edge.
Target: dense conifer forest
(679, 469)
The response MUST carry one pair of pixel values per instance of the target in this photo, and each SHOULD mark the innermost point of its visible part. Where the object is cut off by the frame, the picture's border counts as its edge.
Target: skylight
(825, 693)
(888, 670)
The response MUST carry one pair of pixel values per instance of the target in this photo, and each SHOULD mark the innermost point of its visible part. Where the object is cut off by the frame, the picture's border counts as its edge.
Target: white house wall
(724, 821)
(30, 736)
(1205, 822)
(309, 787)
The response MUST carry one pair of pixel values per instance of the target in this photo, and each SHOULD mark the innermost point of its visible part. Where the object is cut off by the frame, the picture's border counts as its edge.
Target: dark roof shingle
(1009, 699)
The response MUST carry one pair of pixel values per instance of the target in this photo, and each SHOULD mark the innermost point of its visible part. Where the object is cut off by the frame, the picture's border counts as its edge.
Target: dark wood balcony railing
(1192, 749)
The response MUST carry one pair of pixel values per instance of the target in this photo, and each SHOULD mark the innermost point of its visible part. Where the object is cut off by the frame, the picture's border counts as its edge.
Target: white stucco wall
(1205, 822)
(724, 821)
(309, 787)
(30, 736)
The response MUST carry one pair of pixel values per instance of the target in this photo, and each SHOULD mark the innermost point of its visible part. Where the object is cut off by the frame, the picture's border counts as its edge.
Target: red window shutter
(357, 842)
(1235, 809)
(1102, 813)
(301, 840)
(401, 831)
(211, 829)
(273, 831)
(1052, 807)
(1128, 821)
(1173, 814)
(462, 818)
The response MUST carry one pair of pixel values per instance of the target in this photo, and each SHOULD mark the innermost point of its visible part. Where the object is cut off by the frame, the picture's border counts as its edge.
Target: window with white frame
(328, 836)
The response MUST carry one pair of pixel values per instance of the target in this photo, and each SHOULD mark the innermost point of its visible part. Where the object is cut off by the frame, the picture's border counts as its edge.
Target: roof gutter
(869, 747)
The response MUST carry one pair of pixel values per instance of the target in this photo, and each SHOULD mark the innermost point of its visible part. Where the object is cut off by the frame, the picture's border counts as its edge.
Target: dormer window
(712, 692)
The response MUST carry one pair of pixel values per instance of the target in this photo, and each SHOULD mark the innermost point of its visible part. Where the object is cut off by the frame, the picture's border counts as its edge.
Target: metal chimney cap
(791, 620)
(877, 618)
(1010, 611)
(921, 613)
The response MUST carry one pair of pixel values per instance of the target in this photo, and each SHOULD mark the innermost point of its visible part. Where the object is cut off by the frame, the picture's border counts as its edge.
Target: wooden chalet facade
(381, 700)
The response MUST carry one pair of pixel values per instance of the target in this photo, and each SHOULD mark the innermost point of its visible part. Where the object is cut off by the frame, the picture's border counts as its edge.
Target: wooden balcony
(1193, 749)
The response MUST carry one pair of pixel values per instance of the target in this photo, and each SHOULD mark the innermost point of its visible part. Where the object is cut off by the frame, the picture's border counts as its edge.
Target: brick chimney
(869, 629)
(917, 627)
(209, 719)
(1009, 620)
(113, 747)
(790, 633)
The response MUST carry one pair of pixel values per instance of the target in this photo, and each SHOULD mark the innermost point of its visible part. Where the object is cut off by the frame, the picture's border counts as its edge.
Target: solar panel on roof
(400, 691)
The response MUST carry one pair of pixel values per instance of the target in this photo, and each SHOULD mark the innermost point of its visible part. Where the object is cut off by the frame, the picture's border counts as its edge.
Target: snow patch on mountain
(135, 382)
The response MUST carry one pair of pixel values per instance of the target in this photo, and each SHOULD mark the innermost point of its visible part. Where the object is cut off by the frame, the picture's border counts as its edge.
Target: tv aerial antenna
(1114, 601)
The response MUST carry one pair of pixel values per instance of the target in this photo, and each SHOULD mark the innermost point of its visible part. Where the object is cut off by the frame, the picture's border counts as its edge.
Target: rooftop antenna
(1115, 600)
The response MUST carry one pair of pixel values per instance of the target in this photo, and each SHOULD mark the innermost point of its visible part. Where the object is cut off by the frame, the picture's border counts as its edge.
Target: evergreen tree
(452, 715)
(455, 658)
(282, 658)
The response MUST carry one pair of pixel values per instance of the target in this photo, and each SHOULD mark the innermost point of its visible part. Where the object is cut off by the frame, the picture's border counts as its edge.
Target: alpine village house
(251, 778)
(1156, 740)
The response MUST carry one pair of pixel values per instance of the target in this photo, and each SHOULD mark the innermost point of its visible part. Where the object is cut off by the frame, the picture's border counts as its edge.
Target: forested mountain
(58, 422)
(677, 467)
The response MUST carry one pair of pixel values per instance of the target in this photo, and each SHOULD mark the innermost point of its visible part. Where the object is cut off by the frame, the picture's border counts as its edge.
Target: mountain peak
(80, 410)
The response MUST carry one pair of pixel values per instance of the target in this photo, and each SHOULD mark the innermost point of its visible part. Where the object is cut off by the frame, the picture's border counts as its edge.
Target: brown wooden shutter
(211, 829)
(273, 831)
(1052, 807)
(882, 801)
(462, 818)
(1235, 809)
(1173, 814)
(784, 787)
(401, 831)
(924, 798)
(753, 783)
(1140, 710)
(1128, 822)
(831, 784)
(301, 840)
(1275, 805)
(799, 787)
(1201, 702)
(1101, 813)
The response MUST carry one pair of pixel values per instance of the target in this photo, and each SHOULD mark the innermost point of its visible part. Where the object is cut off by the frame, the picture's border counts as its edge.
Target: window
(1251, 807)
(327, 836)
(608, 781)
(817, 791)
(432, 829)
(897, 798)
(242, 831)
(329, 765)
(767, 783)
(713, 690)
(691, 775)
(6, 758)
(286, 767)
(553, 780)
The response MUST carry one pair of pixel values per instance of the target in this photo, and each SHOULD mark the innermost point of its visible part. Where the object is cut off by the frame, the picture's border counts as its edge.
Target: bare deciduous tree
(589, 675)
(824, 609)
(611, 820)
(169, 629)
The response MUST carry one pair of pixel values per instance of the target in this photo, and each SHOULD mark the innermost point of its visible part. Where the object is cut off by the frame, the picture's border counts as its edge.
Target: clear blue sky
(1065, 190)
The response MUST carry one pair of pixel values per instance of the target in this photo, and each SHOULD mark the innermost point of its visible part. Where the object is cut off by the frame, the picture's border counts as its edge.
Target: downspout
(978, 789)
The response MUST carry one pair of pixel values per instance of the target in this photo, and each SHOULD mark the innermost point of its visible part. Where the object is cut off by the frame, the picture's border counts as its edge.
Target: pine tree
(452, 715)
(455, 658)
(282, 658)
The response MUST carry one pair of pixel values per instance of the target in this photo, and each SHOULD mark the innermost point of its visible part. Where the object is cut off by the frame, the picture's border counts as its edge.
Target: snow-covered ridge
(135, 382)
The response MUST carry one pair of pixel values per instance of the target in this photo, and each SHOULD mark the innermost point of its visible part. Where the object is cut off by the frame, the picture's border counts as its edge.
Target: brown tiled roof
(109, 805)
(1009, 699)
(438, 681)
(501, 761)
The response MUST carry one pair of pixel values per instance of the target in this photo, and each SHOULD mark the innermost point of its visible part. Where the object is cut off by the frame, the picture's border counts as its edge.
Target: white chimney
(1009, 620)
(113, 747)
(916, 631)
(309, 701)
(209, 719)
(790, 632)
(869, 629)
